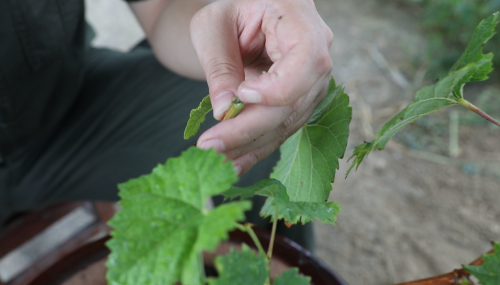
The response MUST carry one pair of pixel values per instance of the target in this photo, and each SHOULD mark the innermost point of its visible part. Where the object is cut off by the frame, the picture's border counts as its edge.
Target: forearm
(166, 24)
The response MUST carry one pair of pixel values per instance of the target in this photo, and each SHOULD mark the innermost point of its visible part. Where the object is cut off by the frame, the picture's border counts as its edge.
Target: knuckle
(288, 133)
(294, 107)
(281, 96)
(219, 69)
(310, 2)
(254, 157)
(280, 130)
(284, 129)
(245, 135)
(282, 139)
(201, 17)
(285, 135)
(206, 13)
(288, 123)
(329, 37)
(324, 62)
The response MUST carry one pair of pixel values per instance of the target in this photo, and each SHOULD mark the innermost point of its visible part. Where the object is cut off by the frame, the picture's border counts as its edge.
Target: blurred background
(430, 201)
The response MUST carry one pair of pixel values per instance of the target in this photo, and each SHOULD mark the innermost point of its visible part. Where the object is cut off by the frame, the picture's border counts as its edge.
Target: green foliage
(163, 225)
(304, 212)
(243, 267)
(291, 277)
(448, 25)
(473, 65)
(474, 51)
(310, 155)
(309, 158)
(292, 212)
(266, 187)
(489, 272)
(197, 116)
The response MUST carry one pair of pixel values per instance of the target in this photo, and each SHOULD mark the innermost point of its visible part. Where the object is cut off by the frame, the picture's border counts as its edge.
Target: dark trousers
(130, 116)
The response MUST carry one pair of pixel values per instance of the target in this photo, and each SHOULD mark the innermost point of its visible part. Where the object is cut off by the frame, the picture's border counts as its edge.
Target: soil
(407, 214)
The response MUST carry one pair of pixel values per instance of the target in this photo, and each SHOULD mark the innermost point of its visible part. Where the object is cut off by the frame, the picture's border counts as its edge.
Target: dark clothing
(75, 121)
(41, 69)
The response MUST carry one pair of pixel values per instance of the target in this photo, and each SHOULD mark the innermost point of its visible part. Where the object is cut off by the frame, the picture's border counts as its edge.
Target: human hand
(236, 40)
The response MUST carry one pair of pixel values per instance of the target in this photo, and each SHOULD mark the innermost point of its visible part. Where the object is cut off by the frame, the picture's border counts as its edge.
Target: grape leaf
(163, 224)
(473, 65)
(474, 51)
(243, 267)
(291, 277)
(304, 212)
(489, 272)
(309, 158)
(292, 212)
(196, 117)
(266, 187)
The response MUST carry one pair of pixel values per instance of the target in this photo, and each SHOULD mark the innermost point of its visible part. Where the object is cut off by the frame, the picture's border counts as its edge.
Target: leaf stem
(248, 228)
(234, 109)
(478, 111)
(273, 234)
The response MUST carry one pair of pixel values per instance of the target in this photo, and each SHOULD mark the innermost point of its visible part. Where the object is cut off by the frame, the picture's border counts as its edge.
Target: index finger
(298, 41)
(219, 53)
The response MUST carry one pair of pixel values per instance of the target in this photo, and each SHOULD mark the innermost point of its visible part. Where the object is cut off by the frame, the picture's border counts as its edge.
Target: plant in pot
(163, 227)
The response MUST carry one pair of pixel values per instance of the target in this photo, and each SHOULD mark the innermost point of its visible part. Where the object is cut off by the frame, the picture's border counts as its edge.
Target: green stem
(234, 109)
(478, 111)
(273, 234)
(248, 228)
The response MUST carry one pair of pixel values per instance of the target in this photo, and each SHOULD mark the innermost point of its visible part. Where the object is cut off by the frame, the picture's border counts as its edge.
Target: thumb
(215, 38)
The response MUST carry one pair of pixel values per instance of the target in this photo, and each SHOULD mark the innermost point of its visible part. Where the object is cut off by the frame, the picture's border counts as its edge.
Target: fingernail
(216, 144)
(238, 169)
(222, 102)
(250, 96)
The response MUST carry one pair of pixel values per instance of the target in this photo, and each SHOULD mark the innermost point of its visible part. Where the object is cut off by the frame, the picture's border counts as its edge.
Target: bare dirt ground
(407, 214)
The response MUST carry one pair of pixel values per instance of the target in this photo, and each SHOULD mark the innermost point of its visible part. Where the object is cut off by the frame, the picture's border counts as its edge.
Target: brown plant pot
(87, 264)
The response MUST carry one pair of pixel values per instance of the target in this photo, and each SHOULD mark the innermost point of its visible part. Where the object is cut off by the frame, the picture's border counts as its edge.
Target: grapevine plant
(164, 226)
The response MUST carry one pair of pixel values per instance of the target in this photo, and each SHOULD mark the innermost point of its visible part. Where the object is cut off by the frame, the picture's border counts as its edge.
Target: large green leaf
(473, 65)
(291, 277)
(292, 212)
(489, 272)
(309, 158)
(474, 51)
(304, 212)
(266, 187)
(197, 116)
(243, 267)
(163, 225)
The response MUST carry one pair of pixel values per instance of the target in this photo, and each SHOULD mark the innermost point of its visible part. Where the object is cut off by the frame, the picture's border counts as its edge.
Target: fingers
(286, 38)
(247, 156)
(253, 122)
(298, 42)
(244, 163)
(281, 133)
(245, 143)
(219, 54)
